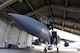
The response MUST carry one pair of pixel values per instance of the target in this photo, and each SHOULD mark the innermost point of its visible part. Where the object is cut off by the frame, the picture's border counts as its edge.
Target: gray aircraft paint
(32, 26)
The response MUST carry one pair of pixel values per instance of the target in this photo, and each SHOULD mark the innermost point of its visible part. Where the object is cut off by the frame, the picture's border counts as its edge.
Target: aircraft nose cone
(9, 13)
(31, 26)
(12, 15)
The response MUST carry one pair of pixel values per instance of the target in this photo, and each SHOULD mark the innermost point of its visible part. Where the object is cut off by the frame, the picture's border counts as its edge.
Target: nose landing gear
(45, 50)
(50, 48)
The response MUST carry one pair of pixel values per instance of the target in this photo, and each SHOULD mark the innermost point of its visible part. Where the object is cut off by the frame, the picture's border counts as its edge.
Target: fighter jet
(38, 29)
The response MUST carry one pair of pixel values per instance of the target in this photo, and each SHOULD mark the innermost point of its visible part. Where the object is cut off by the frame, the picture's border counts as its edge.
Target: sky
(67, 35)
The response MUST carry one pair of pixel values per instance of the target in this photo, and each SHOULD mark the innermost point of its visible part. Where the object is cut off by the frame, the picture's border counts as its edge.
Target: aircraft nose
(14, 16)
(31, 26)
(9, 13)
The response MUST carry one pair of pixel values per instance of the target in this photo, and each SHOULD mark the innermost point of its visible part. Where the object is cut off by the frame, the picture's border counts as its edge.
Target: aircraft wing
(67, 40)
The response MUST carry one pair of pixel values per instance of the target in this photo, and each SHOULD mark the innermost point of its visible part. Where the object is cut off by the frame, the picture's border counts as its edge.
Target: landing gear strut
(57, 49)
(45, 50)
